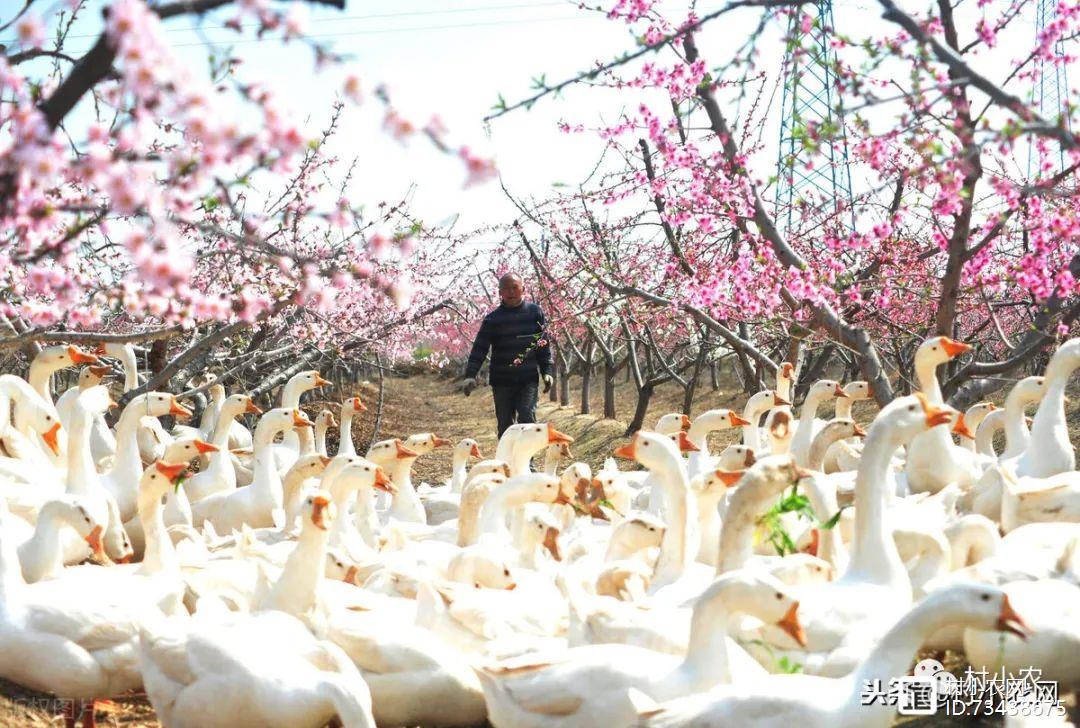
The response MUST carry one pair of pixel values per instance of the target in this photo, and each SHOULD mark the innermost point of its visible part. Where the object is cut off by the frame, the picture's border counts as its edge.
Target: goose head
(352, 406)
(47, 424)
(825, 389)
(325, 420)
(736, 457)
(763, 401)
(73, 511)
(386, 452)
(280, 419)
(363, 472)
(186, 449)
(979, 606)
(575, 477)
(937, 350)
(157, 404)
(339, 567)
(653, 450)
(1064, 360)
(857, 390)
(425, 442)
(160, 479)
(62, 357)
(717, 419)
(541, 528)
(840, 428)
(557, 452)
(311, 379)
(487, 467)
(976, 413)
(92, 375)
(537, 488)
(1027, 391)
(467, 448)
(239, 404)
(672, 422)
(535, 437)
(307, 466)
(755, 593)
(483, 569)
(317, 511)
(785, 380)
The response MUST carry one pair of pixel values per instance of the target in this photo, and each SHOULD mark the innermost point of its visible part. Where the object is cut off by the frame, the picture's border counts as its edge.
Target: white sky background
(454, 59)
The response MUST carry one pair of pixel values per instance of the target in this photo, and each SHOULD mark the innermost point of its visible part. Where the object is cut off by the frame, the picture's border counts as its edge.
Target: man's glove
(548, 381)
(470, 385)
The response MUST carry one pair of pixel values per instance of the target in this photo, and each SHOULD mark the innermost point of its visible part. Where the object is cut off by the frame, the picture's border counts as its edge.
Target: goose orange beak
(319, 505)
(815, 543)
(686, 444)
(730, 478)
(474, 451)
(100, 371)
(251, 408)
(78, 356)
(177, 409)
(300, 419)
(351, 574)
(839, 391)
(779, 401)
(750, 458)
(954, 348)
(384, 483)
(358, 405)
(684, 422)
(1010, 621)
(404, 452)
(934, 415)
(94, 539)
(50, 438)
(738, 420)
(556, 436)
(788, 369)
(960, 427)
(440, 441)
(790, 624)
(627, 451)
(859, 431)
(551, 543)
(320, 381)
(204, 447)
(325, 459)
(172, 471)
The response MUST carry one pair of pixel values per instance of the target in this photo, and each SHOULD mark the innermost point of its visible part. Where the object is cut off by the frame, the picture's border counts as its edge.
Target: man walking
(514, 333)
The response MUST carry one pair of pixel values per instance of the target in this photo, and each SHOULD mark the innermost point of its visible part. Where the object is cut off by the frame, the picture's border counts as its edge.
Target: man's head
(511, 289)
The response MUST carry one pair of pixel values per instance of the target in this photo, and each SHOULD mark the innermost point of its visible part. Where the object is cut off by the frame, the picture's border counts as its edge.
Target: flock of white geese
(283, 586)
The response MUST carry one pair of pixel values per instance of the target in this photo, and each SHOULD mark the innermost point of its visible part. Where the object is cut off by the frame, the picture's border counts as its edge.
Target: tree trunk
(644, 394)
(714, 376)
(610, 370)
(586, 375)
(564, 384)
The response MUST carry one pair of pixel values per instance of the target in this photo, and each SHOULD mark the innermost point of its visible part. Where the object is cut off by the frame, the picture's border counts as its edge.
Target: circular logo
(947, 684)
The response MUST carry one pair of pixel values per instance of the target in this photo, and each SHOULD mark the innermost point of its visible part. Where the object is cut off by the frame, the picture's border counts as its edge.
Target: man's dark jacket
(512, 334)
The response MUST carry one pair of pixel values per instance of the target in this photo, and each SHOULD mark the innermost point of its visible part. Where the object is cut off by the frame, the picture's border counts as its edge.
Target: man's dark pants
(514, 403)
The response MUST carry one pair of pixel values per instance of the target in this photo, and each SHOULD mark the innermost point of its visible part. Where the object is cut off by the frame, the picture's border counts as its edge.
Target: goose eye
(506, 572)
(986, 597)
(540, 526)
(476, 584)
(779, 595)
(911, 408)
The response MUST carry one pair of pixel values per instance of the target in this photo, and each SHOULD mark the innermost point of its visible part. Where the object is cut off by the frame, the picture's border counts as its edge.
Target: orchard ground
(432, 402)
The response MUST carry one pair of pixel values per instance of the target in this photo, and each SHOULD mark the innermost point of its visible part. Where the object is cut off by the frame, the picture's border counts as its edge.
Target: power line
(242, 41)
(340, 18)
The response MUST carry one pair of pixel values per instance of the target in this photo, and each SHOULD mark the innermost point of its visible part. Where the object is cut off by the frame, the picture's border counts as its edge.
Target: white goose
(933, 461)
(67, 636)
(875, 589)
(809, 425)
(785, 390)
(220, 476)
(1051, 452)
(587, 686)
(261, 503)
(710, 421)
(816, 702)
(757, 406)
(349, 409)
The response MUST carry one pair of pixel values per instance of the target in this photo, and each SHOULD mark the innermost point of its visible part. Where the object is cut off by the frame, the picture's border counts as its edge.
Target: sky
(453, 60)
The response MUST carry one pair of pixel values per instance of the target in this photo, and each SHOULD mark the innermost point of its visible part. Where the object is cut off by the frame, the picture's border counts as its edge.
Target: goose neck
(159, 555)
(874, 554)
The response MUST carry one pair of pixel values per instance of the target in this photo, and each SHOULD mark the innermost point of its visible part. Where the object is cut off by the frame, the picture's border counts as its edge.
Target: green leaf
(831, 523)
